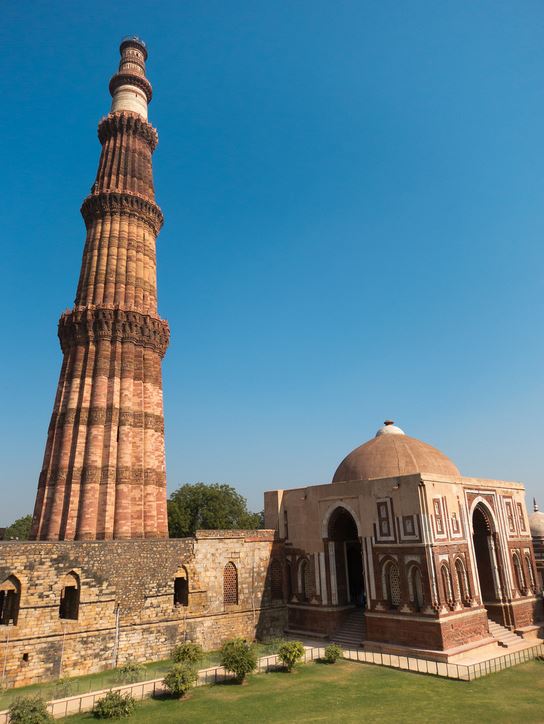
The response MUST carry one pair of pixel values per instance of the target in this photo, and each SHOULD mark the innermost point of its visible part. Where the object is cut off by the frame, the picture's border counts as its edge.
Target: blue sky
(354, 231)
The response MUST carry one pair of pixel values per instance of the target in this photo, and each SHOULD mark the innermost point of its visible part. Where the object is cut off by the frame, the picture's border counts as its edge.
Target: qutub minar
(103, 473)
(399, 554)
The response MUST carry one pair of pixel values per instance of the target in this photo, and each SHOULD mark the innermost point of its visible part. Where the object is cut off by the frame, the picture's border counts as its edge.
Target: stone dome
(392, 453)
(536, 522)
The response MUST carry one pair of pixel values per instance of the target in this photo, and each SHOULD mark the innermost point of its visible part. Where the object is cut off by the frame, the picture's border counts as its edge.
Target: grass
(111, 677)
(352, 692)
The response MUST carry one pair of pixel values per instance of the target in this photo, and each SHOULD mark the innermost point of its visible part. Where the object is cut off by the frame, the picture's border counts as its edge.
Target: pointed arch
(10, 600)
(276, 580)
(487, 512)
(447, 584)
(415, 587)
(334, 508)
(391, 583)
(462, 581)
(304, 580)
(230, 584)
(181, 587)
(518, 573)
(486, 551)
(69, 596)
(289, 580)
(530, 571)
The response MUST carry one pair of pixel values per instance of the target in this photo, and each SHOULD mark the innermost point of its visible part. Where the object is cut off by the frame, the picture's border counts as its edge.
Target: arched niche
(484, 529)
(69, 596)
(181, 587)
(342, 530)
(10, 600)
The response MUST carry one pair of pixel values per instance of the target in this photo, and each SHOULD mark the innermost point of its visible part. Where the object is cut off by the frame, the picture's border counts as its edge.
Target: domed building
(402, 552)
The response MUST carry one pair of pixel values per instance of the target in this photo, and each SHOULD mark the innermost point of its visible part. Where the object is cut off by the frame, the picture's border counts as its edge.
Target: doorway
(486, 556)
(348, 558)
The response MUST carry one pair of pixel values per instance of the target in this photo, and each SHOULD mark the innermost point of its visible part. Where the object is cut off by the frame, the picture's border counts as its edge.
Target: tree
(114, 705)
(208, 507)
(180, 678)
(188, 653)
(239, 657)
(19, 529)
(29, 709)
(290, 653)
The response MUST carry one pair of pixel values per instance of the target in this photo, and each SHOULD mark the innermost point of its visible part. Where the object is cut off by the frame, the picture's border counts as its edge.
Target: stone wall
(127, 607)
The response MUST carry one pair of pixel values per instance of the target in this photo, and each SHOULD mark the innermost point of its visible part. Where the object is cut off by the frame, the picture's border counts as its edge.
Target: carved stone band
(96, 206)
(90, 324)
(130, 79)
(127, 122)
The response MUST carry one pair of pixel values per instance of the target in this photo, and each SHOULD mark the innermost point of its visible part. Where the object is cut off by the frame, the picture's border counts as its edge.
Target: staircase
(503, 636)
(352, 632)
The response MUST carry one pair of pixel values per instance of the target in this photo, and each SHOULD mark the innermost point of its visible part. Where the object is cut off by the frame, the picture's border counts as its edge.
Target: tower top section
(129, 88)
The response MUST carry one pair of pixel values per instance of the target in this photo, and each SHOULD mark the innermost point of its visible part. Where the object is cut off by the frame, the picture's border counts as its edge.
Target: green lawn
(111, 677)
(352, 692)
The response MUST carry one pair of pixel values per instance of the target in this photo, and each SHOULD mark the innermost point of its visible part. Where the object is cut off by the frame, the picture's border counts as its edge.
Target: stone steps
(504, 636)
(352, 632)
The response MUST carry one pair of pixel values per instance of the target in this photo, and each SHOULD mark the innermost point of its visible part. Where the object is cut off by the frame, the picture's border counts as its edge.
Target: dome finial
(535, 506)
(389, 428)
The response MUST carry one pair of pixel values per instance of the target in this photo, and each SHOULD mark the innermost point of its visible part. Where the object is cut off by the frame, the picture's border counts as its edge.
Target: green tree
(208, 507)
(180, 678)
(29, 710)
(290, 653)
(114, 705)
(239, 657)
(188, 653)
(19, 529)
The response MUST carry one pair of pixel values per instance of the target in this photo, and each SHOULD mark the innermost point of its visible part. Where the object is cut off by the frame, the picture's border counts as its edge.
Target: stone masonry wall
(127, 606)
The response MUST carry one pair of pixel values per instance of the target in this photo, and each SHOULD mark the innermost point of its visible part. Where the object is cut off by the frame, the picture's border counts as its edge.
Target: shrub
(130, 672)
(180, 678)
(239, 657)
(63, 687)
(333, 652)
(188, 653)
(114, 706)
(29, 710)
(290, 653)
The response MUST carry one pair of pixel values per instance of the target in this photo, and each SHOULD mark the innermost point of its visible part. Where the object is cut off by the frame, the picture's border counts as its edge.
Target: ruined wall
(127, 605)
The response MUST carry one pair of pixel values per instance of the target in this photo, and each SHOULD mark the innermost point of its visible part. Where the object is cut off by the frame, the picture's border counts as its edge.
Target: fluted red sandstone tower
(103, 474)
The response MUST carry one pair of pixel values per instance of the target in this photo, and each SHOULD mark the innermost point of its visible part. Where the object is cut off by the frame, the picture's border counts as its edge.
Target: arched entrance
(486, 556)
(342, 530)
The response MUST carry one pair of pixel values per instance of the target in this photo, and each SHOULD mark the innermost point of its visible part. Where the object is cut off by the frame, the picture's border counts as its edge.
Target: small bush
(114, 706)
(188, 653)
(130, 672)
(180, 678)
(29, 710)
(290, 653)
(239, 657)
(63, 687)
(333, 652)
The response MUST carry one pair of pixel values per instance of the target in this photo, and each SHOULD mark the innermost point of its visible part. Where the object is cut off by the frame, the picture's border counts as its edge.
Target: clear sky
(353, 194)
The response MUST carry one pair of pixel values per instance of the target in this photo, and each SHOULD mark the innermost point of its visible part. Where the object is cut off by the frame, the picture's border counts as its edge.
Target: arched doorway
(486, 556)
(342, 530)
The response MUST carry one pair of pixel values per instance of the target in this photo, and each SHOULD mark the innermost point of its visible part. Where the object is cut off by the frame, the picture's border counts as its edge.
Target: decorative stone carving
(120, 79)
(98, 205)
(127, 122)
(88, 324)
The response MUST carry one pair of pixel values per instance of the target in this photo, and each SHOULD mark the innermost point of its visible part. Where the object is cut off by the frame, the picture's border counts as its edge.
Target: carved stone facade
(427, 558)
(103, 473)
